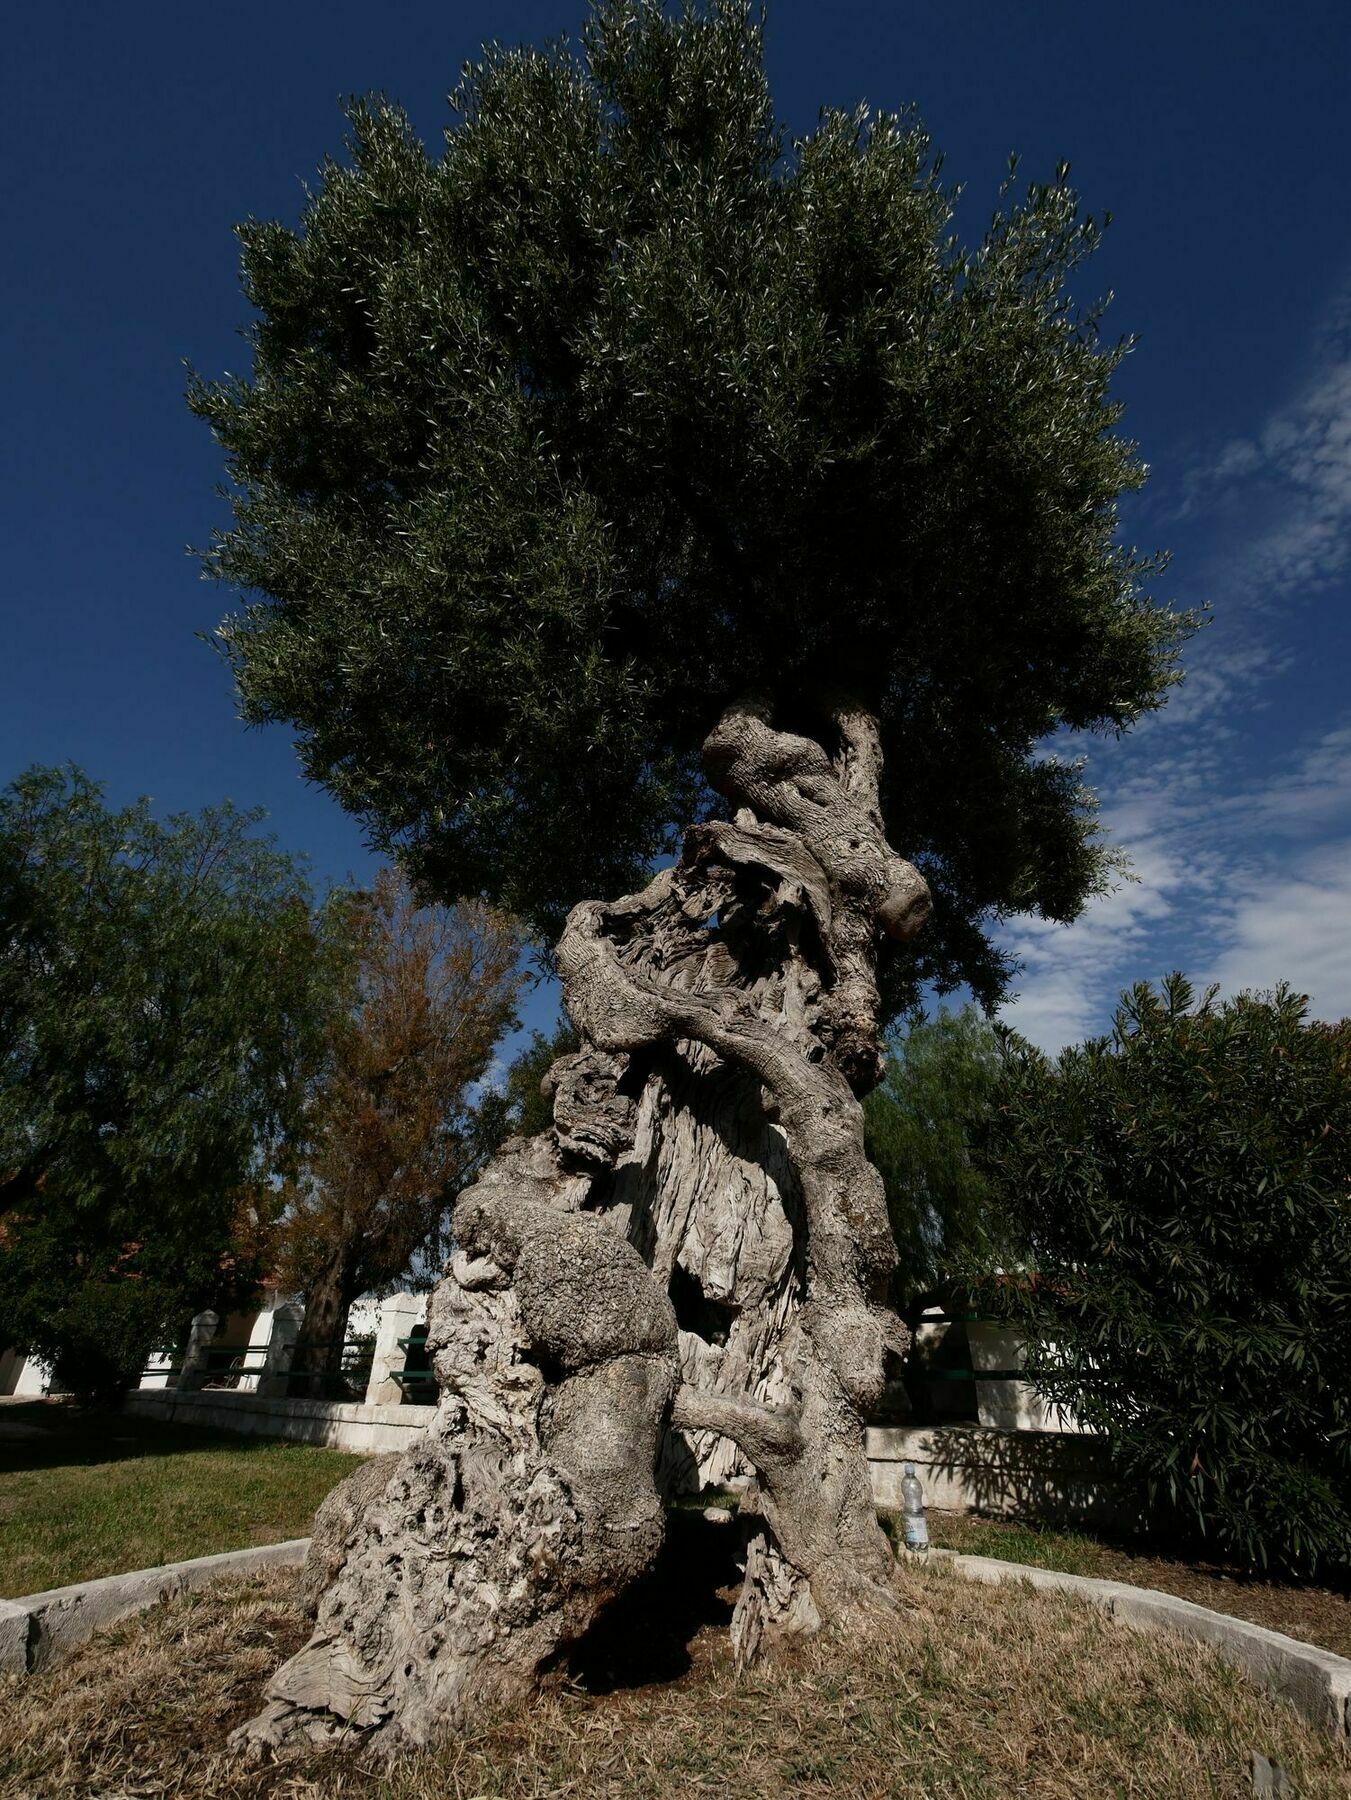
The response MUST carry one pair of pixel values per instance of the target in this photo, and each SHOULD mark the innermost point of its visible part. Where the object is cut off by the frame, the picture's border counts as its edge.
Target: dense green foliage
(938, 1093)
(1186, 1188)
(624, 406)
(528, 1108)
(162, 993)
(518, 1106)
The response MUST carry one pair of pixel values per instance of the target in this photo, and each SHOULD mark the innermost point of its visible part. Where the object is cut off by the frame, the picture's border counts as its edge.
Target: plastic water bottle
(912, 1511)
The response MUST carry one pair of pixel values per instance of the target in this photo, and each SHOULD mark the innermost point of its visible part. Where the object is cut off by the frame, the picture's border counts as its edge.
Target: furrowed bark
(806, 849)
(684, 1280)
(529, 1503)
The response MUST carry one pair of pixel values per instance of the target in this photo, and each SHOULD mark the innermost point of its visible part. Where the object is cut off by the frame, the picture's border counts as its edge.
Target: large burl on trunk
(684, 1280)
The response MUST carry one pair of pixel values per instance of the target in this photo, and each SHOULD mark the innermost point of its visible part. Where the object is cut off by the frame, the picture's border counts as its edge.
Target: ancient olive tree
(626, 480)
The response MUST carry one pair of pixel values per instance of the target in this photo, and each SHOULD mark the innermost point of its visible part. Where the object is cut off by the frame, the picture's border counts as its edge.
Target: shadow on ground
(648, 1636)
(44, 1434)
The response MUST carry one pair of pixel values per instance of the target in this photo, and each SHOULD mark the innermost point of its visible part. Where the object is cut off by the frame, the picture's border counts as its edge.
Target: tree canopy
(934, 1104)
(625, 405)
(164, 989)
(392, 1131)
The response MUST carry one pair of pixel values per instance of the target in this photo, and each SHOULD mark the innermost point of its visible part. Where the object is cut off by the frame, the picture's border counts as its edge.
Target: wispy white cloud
(1242, 875)
(1241, 882)
(1232, 658)
(1202, 796)
(1294, 924)
(1312, 794)
(1069, 968)
(1274, 512)
(1285, 493)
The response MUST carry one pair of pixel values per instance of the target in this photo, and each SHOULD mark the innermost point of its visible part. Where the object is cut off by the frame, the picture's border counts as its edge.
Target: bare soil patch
(975, 1694)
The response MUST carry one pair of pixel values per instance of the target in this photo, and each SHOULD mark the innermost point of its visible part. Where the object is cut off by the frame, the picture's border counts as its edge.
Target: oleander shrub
(1184, 1185)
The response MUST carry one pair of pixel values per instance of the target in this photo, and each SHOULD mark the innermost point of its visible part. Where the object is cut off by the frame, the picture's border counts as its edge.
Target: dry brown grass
(979, 1693)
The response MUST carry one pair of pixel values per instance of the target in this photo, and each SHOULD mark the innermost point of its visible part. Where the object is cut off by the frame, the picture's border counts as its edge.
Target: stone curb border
(1316, 1682)
(38, 1630)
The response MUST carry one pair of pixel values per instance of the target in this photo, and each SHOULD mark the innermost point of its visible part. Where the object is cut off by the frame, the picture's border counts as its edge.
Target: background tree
(523, 1105)
(164, 989)
(393, 1129)
(938, 1092)
(1185, 1185)
(628, 467)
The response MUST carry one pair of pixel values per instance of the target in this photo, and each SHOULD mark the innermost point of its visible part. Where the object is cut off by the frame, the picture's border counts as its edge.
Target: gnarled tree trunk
(685, 1278)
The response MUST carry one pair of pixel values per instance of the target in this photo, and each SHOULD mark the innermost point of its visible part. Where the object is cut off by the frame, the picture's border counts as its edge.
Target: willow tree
(629, 483)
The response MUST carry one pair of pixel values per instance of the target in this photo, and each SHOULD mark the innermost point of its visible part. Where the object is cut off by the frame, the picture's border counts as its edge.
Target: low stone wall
(977, 1468)
(341, 1424)
(963, 1468)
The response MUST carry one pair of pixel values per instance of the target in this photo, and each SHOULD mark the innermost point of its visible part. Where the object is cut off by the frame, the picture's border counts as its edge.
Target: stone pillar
(398, 1315)
(285, 1321)
(34, 1377)
(193, 1373)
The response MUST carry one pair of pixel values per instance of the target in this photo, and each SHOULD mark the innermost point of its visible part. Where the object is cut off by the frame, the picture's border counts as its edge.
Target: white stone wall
(341, 1424)
(265, 1342)
(23, 1377)
(1011, 1405)
(1046, 1475)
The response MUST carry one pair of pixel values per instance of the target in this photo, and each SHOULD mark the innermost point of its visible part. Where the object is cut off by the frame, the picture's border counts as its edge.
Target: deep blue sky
(1218, 137)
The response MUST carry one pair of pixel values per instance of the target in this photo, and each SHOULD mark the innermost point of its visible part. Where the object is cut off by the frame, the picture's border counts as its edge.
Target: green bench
(416, 1378)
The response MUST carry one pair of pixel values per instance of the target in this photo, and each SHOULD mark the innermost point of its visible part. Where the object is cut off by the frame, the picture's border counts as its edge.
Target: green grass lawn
(1072, 1552)
(86, 1493)
(1319, 1612)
